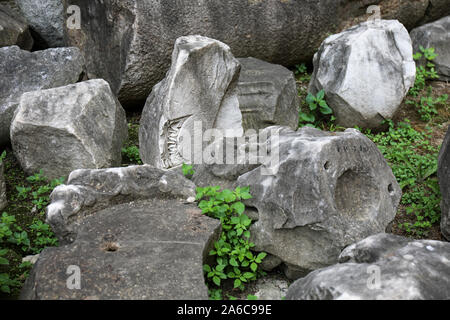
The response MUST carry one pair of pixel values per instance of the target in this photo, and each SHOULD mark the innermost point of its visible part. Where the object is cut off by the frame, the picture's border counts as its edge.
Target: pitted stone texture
(22, 71)
(435, 35)
(408, 270)
(145, 250)
(198, 93)
(267, 95)
(13, 29)
(366, 72)
(3, 198)
(444, 183)
(47, 18)
(89, 191)
(137, 36)
(328, 191)
(67, 128)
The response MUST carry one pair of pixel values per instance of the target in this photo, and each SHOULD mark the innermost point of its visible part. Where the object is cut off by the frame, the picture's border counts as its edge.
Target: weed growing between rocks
(23, 230)
(130, 151)
(234, 259)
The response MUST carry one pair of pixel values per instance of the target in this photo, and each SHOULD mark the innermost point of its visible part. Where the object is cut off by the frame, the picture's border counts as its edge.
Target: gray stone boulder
(134, 234)
(137, 36)
(47, 18)
(145, 250)
(198, 93)
(326, 191)
(72, 127)
(22, 71)
(3, 198)
(89, 191)
(13, 29)
(444, 183)
(435, 35)
(267, 95)
(366, 72)
(381, 267)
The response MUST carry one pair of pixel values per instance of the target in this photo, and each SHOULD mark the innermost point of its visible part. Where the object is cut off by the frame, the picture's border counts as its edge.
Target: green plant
(188, 170)
(413, 160)
(132, 154)
(234, 259)
(426, 106)
(2, 156)
(318, 109)
(301, 72)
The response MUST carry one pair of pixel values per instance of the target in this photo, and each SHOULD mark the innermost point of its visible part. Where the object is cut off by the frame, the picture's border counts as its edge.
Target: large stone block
(381, 267)
(22, 71)
(444, 183)
(137, 36)
(366, 72)
(435, 35)
(327, 191)
(267, 95)
(134, 234)
(62, 129)
(198, 93)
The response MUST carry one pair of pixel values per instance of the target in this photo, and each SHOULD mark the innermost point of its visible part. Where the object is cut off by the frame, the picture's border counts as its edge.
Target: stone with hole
(62, 129)
(381, 267)
(366, 72)
(327, 191)
(198, 93)
(444, 183)
(131, 233)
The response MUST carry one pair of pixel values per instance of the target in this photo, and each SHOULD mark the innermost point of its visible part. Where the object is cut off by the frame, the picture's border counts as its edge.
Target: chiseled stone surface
(267, 95)
(79, 126)
(381, 267)
(198, 93)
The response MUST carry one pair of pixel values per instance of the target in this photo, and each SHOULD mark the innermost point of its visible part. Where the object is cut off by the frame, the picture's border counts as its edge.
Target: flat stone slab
(149, 249)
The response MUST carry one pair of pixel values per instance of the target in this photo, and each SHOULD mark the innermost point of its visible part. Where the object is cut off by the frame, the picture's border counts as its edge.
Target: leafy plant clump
(421, 95)
(22, 228)
(234, 259)
(414, 163)
(319, 111)
(130, 151)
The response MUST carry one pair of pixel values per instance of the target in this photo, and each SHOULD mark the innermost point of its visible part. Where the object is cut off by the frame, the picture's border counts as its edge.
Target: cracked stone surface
(150, 249)
(14, 29)
(79, 126)
(381, 267)
(366, 72)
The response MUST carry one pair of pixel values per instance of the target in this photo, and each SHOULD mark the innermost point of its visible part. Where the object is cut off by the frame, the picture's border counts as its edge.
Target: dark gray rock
(145, 250)
(267, 95)
(73, 127)
(435, 35)
(381, 267)
(47, 18)
(198, 93)
(137, 36)
(366, 72)
(444, 183)
(13, 29)
(3, 198)
(89, 191)
(327, 191)
(22, 71)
